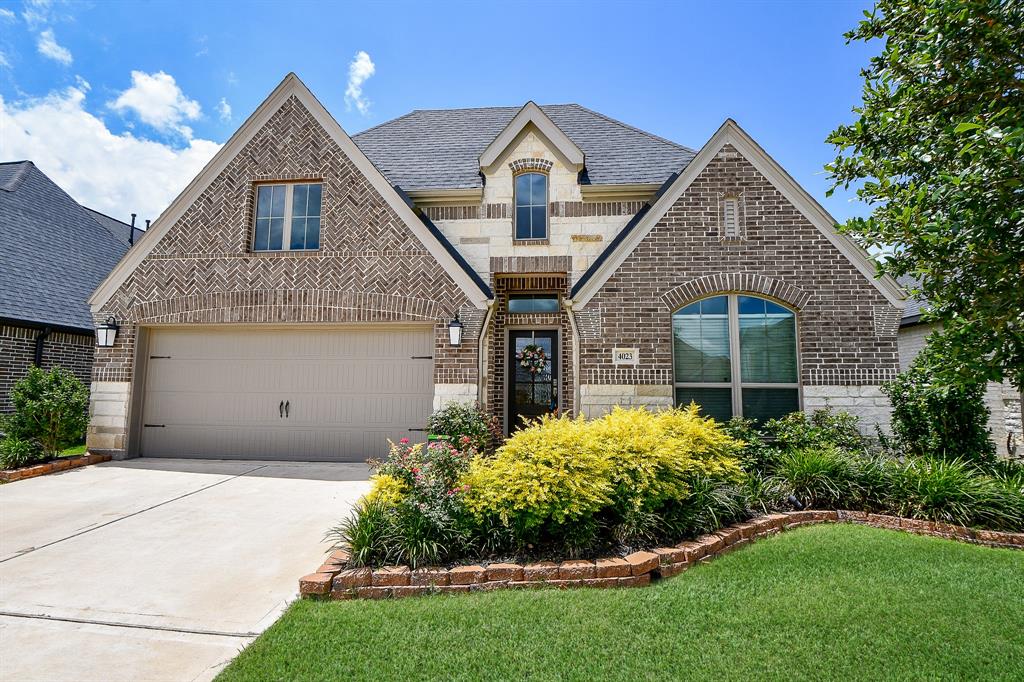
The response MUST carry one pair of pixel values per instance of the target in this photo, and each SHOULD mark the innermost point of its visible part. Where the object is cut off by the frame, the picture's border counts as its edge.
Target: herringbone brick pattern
(370, 267)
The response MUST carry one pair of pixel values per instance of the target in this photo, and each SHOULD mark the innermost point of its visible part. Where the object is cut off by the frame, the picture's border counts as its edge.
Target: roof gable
(728, 134)
(531, 115)
(291, 86)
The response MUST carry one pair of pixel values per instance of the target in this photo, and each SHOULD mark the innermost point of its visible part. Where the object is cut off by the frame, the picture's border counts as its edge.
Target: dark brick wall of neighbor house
(370, 267)
(847, 329)
(17, 352)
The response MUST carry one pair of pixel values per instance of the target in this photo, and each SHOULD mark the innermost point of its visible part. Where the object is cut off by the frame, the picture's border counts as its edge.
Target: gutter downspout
(481, 360)
(41, 337)
(575, 357)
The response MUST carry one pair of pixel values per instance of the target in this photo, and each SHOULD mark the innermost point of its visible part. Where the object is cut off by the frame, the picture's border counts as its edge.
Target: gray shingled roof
(440, 148)
(53, 253)
(116, 227)
(913, 307)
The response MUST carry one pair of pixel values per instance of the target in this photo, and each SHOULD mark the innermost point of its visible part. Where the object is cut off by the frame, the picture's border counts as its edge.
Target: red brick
(429, 575)
(746, 529)
(467, 575)
(601, 582)
(454, 588)
(340, 556)
(542, 570)
(410, 590)
(353, 577)
(670, 555)
(576, 570)
(728, 535)
(669, 570)
(692, 550)
(642, 562)
(612, 568)
(373, 592)
(711, 543)
(505, 572)
(491, 585)
(390, 576)
(636, 580)
(315, 583)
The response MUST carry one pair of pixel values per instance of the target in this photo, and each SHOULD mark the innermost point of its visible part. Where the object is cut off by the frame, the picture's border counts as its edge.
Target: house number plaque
(625, 356)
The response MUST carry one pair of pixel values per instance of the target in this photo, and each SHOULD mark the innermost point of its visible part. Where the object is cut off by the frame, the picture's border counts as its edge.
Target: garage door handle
(287, 407)
(280, 409)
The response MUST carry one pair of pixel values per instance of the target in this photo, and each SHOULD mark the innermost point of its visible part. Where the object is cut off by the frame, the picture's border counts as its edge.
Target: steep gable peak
(532, 115)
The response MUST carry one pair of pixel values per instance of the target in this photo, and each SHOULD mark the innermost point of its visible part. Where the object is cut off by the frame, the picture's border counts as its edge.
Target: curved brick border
(8, 475)
(333, 580)
(750, 282)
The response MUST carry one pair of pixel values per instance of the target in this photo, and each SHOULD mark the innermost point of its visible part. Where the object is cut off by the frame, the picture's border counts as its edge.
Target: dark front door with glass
(533, 376)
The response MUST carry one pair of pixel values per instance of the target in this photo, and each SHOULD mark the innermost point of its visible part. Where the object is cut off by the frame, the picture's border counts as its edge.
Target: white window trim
(547, 207)
(286, 231)
(735, 370)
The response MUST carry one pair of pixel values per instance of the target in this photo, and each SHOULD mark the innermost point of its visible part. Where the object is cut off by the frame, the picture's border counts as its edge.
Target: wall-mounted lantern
(106, 333)
(455, 331)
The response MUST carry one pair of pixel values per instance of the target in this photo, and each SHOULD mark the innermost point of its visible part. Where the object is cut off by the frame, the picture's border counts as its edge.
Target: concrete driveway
(157, 569)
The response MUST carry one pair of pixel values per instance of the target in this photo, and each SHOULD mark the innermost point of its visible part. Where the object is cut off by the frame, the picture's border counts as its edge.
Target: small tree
(51, 407)
(937, 419)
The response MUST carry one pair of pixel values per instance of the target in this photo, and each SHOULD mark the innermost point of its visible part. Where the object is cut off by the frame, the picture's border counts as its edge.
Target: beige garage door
(288, 393)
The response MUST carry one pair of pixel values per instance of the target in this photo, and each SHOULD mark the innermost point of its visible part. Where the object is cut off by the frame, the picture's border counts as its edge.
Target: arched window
(736, 355)
(531, 220)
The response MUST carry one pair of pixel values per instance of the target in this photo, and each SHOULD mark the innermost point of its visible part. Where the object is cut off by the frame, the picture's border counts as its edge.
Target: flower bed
(335, 580)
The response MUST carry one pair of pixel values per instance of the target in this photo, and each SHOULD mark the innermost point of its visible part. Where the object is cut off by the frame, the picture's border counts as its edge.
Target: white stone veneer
(867, 402)
(599, 399)
(108, 416)
(454, 393)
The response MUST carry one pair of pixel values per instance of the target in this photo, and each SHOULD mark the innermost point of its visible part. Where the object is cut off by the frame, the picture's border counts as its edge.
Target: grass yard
(73, 451)
(835, 602)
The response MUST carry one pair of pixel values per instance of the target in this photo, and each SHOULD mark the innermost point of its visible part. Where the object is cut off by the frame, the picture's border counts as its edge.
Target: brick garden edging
(333, 580)
(63, 464)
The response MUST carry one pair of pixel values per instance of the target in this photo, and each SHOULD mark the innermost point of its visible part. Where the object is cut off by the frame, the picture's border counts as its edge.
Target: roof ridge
(633, 128)
(384, 123)
(116, 220)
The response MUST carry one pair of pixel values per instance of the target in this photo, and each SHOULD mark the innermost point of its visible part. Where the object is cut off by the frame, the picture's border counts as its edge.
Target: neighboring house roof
(915, 305)
(116, 227)
(441, 148)
(53, 252)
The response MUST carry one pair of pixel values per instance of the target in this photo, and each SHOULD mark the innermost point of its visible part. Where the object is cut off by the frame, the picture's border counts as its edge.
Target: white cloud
(48, 47)
(6, 13)
(37, 12)
(114, 173)
(359, 70)
(224, 109)
(158, 101)
(4, 62)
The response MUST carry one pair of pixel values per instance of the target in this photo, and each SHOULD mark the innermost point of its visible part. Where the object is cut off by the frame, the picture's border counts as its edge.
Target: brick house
(311, 294)
(53, 253)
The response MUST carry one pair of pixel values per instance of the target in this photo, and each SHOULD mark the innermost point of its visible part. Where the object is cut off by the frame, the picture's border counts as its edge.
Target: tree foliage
(50, 407)
(937, 151)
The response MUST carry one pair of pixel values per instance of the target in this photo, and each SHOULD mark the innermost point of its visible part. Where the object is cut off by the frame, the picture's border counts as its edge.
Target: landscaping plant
(456, 421)
(17, 452)
(49, 407)
(937, 419)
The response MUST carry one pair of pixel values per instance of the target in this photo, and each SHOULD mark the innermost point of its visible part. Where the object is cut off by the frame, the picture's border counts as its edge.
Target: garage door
(287, 393)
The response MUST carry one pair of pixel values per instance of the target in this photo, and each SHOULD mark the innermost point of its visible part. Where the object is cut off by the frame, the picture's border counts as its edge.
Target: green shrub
(933, 419)
(954, 491)
(17, 452)
(757, 454)
(50, 407)
(825, 427)
(464, 424)
(817, 476)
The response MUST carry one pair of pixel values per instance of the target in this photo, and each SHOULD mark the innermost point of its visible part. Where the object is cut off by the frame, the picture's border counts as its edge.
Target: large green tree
(937, 151)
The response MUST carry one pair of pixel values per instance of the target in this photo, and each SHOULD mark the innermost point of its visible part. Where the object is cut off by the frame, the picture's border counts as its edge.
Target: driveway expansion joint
(121, 624)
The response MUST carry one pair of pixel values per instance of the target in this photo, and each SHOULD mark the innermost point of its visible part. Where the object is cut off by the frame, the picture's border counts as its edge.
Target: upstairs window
(533, 303)
(736, 355)
(287, 217)
(531, 220)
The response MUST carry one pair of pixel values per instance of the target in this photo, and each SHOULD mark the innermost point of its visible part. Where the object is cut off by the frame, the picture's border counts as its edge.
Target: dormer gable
(532, 118)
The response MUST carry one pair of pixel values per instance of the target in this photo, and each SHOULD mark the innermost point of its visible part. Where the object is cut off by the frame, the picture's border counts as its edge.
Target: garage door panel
(216, 392)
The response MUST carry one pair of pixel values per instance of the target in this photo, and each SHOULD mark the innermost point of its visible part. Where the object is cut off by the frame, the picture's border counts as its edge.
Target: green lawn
(73, 451)
(834, 602)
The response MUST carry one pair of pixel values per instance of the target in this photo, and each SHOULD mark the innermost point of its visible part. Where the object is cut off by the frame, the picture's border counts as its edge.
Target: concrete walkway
(157, 569)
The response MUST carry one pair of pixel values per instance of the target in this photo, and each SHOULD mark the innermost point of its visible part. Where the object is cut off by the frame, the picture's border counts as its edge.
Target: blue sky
(123, 102)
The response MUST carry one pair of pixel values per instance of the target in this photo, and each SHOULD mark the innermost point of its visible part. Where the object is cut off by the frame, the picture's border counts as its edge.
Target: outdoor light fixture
(106, 333)
(455, 331)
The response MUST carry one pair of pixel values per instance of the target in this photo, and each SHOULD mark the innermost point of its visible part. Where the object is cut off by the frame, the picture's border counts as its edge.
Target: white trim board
(531, 113)
(731, 134)
(291, 85)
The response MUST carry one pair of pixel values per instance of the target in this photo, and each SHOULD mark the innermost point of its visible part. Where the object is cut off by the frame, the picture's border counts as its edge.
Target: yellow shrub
(551, 470)
(387, 490)
(565, 469)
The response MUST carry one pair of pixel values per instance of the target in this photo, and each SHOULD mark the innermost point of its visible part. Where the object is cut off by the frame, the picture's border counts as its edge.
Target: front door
(533, 376)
